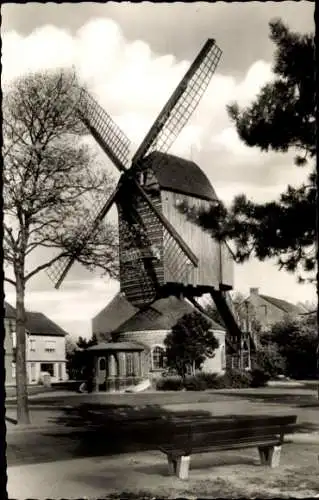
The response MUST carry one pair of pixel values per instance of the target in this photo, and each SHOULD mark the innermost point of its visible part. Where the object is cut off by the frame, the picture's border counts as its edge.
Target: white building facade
(46, 353)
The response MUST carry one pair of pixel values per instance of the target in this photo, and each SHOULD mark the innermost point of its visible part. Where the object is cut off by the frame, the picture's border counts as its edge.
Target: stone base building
(141, 337)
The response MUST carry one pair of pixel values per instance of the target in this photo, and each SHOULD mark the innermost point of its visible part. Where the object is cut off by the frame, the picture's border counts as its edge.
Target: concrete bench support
(178, 466)
(182, 467)
(270, 455)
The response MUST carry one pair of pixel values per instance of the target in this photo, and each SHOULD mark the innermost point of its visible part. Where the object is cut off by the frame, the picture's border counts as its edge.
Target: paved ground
(221, 475)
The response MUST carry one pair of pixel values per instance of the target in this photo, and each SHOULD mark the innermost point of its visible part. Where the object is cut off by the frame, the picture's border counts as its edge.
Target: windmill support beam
(202, 310)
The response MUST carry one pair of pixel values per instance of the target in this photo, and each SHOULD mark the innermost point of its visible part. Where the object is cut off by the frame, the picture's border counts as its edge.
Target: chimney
(254, 291)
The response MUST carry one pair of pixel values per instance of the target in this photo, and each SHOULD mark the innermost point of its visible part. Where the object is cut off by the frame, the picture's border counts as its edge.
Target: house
(265, 310)
(137, 346)
(45, 347)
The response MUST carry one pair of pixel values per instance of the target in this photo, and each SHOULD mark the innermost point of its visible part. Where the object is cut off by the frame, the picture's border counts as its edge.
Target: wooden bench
(182, 438)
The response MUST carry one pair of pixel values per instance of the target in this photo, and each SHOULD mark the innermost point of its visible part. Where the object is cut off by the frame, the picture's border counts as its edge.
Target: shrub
(195, 383)
(296, 341)
(231, 379)
(212, 380)
(259, 377)
(269, 359)
(172, 383)
(236, 379)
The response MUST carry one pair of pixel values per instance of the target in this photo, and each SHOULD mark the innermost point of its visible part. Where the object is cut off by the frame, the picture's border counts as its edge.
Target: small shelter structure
(116, 365)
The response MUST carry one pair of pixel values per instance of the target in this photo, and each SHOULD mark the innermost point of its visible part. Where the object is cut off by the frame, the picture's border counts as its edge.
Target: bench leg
(172, 465)
(270, 455)
(183, 467)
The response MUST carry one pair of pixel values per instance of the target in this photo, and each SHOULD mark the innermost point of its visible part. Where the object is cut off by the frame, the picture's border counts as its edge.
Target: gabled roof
(161, 315)
(9, 311)
(113, 315)
(182, 176)
(285, 306)
(36, 323)
(39, 324)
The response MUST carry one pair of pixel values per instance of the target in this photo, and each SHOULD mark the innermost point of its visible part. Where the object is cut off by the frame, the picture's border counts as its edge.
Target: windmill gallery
(161, 253)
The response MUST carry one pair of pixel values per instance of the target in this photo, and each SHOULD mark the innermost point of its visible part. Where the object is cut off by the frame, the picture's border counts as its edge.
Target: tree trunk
(23, 416)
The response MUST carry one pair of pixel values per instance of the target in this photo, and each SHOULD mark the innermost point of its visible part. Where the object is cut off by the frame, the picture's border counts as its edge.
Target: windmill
(160, 252)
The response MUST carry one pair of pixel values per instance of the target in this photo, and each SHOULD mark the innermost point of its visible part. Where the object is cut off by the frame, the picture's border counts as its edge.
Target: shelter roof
(116, 346)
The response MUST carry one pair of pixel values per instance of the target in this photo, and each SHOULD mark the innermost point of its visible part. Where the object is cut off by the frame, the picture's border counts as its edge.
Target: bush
(232, 379)
(259, 377)
(195, 383)
(269, 359)
(236, 379)
(173, 383)
(296, 341)
(212, 380)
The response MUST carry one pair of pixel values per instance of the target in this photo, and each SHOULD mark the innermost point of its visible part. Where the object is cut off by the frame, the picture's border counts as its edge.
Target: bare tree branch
(9, 280)
(47, 264)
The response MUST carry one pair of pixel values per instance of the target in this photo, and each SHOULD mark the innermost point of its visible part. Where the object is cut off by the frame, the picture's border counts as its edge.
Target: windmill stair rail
(181, 439)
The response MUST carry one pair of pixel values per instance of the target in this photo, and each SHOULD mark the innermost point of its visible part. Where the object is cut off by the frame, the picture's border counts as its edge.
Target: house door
(101, 374)
(60, 366)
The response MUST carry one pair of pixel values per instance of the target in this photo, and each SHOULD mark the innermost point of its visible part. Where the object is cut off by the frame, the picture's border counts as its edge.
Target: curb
(19, 429)
(42, 407)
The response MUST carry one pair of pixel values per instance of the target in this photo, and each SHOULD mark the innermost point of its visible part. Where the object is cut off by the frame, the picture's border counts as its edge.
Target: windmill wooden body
(160, 251)
(170, 181)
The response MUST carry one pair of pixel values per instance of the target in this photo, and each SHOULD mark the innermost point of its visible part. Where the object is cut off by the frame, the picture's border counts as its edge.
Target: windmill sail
(116, 145)
(182, 104)
(59, 269)
(106, 132)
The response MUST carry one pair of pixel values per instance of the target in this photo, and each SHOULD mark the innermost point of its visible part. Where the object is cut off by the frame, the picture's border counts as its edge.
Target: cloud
(127, 77)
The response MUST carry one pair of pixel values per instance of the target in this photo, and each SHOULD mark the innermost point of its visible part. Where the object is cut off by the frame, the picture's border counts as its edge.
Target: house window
(49, 346)
(32, 345)
(158, 358)
(14, 338)
(48, 367)
(13, 370)
(129, 364)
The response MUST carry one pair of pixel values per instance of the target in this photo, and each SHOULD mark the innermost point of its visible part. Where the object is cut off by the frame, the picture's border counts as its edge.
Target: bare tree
(50, 178)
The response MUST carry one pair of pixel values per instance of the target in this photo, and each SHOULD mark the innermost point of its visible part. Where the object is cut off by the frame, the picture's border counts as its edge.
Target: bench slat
(191, 436)
(169, 450)
(220, 423)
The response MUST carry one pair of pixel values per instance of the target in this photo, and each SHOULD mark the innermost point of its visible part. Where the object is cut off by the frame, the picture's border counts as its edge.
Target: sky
(132, 56)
